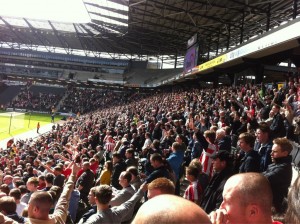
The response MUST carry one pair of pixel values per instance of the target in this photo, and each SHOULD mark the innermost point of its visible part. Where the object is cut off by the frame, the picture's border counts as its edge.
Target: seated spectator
(105, 176)
(105, 214)
(247, 199)
(118, 166)
(120, 196)
(8, 207)
(130, 160)
(280, 173)
(135, 179)
(194, 191)
(168, 208)
(16, 194)
(160, 186)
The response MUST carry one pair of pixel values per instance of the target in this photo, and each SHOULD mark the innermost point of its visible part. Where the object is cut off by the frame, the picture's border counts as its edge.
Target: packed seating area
(229, 143)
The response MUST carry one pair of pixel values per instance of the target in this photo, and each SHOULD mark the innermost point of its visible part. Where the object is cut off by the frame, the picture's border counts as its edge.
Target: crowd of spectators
(205, 135)
(29, 100)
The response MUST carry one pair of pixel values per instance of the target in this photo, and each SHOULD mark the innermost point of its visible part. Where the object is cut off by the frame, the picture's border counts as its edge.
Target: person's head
(32, 184)
(168, 208)
(192, 173)
(221, 160)
(91, 196)
(103, 194)
(86, 166)
(16, 194)
(176, 147)
(179, 138)
(275, 109)
(263, 133)
(246, 141)
(108, 165)
(7, 205)
(156, 160)
(49, 178)
(220, 134)
(129, 153)
(57, 170)
(282, 147)
(293, 211)
(133, 171)
(160, 186)
(116, 157)
(39, 205)
(55, 192)
(210, 136)
(247, 198)
(7, 179)
(124, 179)
(197, 163)
(4, 188)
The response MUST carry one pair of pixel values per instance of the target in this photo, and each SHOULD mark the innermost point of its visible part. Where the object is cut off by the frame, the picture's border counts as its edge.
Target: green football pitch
(14, 123)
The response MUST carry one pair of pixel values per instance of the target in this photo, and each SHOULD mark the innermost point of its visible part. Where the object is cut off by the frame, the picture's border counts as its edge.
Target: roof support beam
(45, 42)
(63, 42)
(16, 33)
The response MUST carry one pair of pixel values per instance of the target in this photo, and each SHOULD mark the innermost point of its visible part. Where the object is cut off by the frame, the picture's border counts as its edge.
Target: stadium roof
(150, 27)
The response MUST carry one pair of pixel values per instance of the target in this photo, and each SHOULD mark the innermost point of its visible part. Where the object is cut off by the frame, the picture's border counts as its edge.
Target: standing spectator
(135, 179)
(223, 140)
(105, 176)
(38, 127)
(280, 173)
(212, 197)
(251, 160)
(130, 160)
(209, 152)
(194, 190)
(59, 177)
(85, 182)
(32, 185)
(263, 145)
(16, 194)
(277, 125)
(118, 166)
(176, 160)
(93, 208)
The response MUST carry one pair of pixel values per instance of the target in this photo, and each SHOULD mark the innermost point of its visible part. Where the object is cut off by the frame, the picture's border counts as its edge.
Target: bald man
(168, 208)
(247, 198)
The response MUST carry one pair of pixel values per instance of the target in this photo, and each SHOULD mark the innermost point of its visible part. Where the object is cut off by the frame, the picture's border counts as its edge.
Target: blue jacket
(175, 160)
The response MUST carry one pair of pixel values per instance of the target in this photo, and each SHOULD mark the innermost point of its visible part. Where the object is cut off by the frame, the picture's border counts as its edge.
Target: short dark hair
(193, 171)
(133, 170)
(248, 138)
(103, 193)
(16, 193)
(49, 178)
(126, 175)
(156, 157)
(8, 204)
(284, 143)
(264, 127)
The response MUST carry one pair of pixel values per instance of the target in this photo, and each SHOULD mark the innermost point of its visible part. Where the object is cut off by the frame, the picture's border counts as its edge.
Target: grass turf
(23, 123)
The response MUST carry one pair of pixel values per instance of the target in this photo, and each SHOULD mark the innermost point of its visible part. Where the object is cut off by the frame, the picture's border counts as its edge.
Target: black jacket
(212, 197)
(250, 162)
(280, 175)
